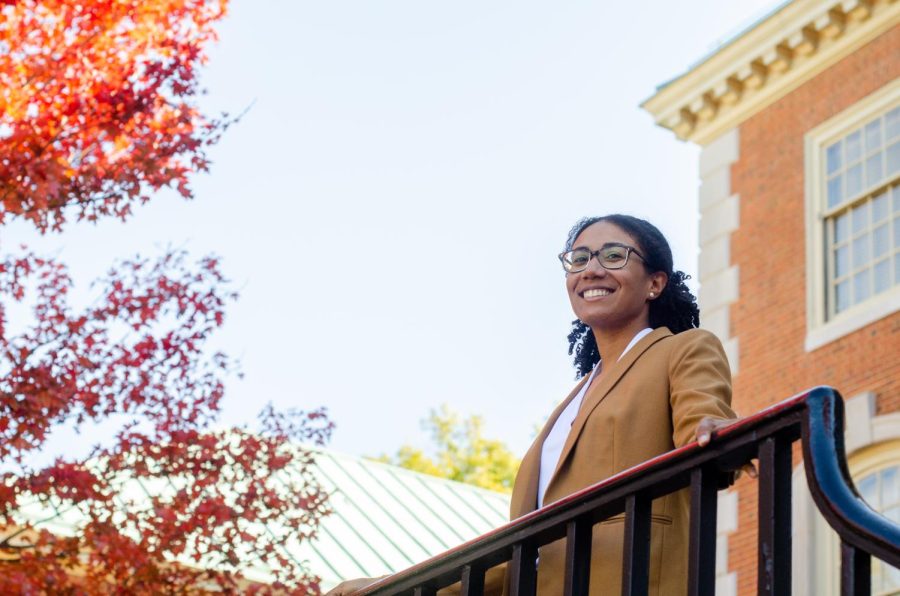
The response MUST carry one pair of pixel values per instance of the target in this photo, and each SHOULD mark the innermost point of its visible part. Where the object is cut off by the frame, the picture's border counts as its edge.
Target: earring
(653, 294)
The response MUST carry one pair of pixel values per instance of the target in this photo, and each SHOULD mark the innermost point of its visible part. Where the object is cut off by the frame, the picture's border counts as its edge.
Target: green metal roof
(384, 518)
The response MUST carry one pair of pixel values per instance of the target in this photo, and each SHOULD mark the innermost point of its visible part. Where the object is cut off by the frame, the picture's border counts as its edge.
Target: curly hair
(675, 308)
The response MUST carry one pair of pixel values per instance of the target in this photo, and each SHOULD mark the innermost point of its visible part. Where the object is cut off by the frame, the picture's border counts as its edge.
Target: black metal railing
(815, 418)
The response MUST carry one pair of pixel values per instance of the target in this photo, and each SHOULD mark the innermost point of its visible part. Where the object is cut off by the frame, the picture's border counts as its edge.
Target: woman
(651, 382)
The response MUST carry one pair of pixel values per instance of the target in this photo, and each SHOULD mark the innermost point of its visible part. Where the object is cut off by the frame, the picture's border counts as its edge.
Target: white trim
(719, 217)
(764, 64)
(819, 331)
(859, 413)
(853, 319)
(726, 523)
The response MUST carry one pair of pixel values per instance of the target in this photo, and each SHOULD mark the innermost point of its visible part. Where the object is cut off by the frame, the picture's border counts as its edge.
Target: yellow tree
(461, 453)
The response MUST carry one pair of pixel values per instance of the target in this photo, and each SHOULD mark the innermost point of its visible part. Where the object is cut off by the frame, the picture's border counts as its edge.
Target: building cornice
(765, 63)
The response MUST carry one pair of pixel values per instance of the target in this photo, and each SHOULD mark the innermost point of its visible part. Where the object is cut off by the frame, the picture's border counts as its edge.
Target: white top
(553, 444)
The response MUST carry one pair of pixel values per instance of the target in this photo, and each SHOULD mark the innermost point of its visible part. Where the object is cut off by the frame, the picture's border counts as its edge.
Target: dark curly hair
(675, 308)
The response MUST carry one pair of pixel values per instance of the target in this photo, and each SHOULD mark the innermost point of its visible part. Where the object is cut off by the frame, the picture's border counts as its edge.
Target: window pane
(834, 191)
(868, 490)
(874, 172)
(892, 123)
(881, 241)
(897, 232)
(861, 288)
(890, 486)
(842, 261)
(891, 577)
(893, 514)
(833, 158)
(893, 159)
(877, 577)
(897, 267)
(854, 180)
(873, 135)
(882, 273)
(853, 147)
(896, 198)
(860, 218)
(842, 294)
(880, 207)
(861, 253)
(842, 227)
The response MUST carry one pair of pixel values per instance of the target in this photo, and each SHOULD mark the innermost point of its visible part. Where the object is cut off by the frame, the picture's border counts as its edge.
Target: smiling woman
(650, 382)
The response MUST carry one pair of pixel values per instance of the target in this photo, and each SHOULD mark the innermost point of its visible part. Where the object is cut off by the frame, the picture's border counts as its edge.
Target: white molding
(858, 413)
(726, 585)
(727, 512)
(719, 217)
(732, 352)
(715, 186)
(717, 320)
(886, 427)
(721, 153)
(764, 64)
(726, 523)
(819, 331)
(715, 258)
(720, 289)
(853, 319)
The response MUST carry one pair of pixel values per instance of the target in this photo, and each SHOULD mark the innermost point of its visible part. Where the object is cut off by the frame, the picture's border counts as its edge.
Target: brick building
(798, 119)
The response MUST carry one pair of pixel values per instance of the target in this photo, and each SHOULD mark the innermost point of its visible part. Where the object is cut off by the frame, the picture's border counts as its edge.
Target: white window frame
(819, 329)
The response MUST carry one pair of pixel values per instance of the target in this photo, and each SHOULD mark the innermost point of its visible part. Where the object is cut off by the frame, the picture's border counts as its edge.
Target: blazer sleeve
(699, 383)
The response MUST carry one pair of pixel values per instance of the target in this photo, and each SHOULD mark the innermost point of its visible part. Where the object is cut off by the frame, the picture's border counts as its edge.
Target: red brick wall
(769, 249)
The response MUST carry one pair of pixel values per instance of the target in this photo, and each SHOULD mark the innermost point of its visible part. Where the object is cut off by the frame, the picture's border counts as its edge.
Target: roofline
(795, 42)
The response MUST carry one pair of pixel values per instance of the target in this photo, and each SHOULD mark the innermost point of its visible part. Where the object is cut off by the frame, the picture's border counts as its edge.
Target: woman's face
(612, 300)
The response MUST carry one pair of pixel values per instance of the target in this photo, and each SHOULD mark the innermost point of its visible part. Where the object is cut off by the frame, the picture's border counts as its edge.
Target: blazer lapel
(599, 390)
(524, 495)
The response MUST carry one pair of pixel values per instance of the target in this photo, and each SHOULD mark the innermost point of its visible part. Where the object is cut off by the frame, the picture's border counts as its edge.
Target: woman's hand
(352, 585)
(708, 427)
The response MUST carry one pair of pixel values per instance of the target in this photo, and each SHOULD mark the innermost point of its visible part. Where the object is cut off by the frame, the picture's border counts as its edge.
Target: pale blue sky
(392, 205)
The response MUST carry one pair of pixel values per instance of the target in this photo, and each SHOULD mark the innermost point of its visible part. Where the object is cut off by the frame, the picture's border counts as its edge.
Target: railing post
(856, 571)
(702, 549)
(472, 583)
(523, 570)
(774, 552)
(578, 556)
(636, 547)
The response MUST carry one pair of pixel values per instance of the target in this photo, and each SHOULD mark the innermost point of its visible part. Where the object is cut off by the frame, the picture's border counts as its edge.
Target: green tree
(461, 453)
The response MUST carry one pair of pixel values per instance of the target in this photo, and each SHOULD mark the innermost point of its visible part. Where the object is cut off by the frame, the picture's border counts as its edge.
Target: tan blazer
(647, 403)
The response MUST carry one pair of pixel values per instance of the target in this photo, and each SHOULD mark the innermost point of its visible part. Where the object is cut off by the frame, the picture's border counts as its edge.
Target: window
(863, 253)
(853, 217)
(881, 490)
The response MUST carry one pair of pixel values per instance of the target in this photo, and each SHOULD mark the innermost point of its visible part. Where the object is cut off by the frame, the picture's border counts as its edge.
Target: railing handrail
(814, 416)
(832, 488)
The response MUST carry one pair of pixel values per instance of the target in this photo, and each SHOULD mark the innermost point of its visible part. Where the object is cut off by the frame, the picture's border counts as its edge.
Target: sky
(392, 203)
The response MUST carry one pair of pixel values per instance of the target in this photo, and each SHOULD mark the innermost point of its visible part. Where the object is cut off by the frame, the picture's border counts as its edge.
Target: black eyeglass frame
(596, 253)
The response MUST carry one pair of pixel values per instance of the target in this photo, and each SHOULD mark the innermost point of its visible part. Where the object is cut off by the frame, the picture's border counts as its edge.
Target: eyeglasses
(610, 256)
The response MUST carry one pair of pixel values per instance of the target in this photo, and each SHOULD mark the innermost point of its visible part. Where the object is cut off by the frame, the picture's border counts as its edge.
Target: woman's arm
(699, 385)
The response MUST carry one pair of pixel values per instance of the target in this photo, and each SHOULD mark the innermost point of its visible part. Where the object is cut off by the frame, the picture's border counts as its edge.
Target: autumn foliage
(96, 104)
(97, 111)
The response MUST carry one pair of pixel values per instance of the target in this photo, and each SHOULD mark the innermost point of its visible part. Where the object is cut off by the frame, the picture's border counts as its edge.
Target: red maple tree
(96, 103)
(97, 112)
